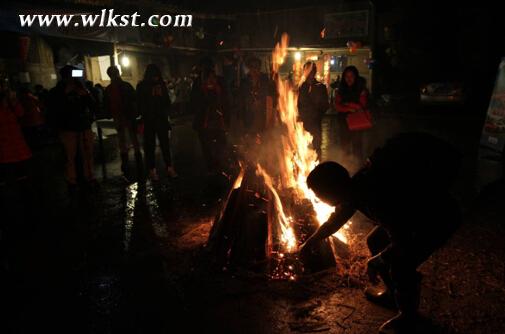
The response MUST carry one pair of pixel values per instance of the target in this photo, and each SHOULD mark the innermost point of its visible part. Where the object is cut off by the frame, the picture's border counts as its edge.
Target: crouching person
(404, 188)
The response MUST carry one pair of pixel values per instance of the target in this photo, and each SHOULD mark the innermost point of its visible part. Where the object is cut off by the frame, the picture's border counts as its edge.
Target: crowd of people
(68, 110)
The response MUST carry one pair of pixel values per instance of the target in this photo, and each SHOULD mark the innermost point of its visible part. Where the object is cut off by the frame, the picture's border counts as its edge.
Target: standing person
(32, 121)
(351, 96)
(210, 104)
(14, 151)
(312, 104)
(256, 99)
(70, 108)
(120, 103)
(404, 189)
(154, 107)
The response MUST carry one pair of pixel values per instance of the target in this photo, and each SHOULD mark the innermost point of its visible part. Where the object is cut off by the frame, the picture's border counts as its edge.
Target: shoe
(381, 296)
(153, 175)
(171, 172)
(399, 324)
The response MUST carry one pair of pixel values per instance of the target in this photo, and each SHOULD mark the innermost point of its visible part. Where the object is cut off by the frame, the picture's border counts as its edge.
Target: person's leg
(123, 144)
(378, 240)
(357, 145)
(87, 139)
(162, 134)
(121, 136)
(222, 154)
(163, 137)
(69, 141)
(132, 131)
(149, 148)
(206, 145)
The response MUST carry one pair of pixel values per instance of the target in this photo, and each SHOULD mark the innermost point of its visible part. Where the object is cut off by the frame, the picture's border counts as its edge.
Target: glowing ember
(297, 158)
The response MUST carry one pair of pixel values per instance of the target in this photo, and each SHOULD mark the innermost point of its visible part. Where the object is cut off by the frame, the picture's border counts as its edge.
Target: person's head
(98, 86)
(254, 66)
(113, 73)
(330, 182)
(152, 73)
(350, 76)
(66, 73)
(309, 70)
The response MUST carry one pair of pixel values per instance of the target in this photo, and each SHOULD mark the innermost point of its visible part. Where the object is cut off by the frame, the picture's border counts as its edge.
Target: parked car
(442, 93)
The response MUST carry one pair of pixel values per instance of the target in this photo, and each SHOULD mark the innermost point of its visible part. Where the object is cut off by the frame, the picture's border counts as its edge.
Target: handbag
(359, 120)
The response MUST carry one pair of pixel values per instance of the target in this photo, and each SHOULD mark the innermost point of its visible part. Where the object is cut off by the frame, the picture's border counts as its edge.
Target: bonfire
(271, 211)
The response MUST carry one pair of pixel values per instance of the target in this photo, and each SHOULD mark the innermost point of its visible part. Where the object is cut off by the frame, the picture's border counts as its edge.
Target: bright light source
(298, 56)
(125, 61)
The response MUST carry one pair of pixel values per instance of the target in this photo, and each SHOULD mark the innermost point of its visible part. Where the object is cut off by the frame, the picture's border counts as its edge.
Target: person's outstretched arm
(334, 223)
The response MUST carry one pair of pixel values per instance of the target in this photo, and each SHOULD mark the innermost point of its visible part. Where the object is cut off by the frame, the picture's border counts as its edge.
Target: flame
(288, 239)
(297, 158)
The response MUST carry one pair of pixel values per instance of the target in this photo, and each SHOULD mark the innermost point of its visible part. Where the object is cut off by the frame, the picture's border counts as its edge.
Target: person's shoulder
(141, 84)
(127, 85)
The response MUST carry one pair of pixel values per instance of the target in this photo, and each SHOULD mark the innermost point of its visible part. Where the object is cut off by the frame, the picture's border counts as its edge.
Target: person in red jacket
(14, 151)
(351, 96)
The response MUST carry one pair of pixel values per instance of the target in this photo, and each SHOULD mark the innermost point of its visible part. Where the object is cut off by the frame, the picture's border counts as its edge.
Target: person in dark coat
(120, 103)
(404, 188)
(70, 111)
(210, 104)
(312, 104)
(154, 107)
(256, 98)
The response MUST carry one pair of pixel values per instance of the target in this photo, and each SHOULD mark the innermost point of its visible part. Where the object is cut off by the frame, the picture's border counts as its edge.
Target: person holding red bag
(351, 102)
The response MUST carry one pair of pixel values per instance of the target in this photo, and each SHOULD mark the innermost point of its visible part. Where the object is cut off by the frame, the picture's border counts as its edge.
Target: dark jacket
(405, 188)
(210, 106)
(69, 111)
(312, 103)
(153, 102)
(128, 96)
(252, 100)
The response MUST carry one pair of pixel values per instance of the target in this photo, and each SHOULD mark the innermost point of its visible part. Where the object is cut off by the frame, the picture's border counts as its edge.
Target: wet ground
(129, 257)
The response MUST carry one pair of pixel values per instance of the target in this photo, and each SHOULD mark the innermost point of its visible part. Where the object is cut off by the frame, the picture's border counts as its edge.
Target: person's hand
(374, 265)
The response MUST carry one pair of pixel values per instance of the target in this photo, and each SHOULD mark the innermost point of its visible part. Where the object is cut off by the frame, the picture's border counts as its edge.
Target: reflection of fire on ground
(270, 211)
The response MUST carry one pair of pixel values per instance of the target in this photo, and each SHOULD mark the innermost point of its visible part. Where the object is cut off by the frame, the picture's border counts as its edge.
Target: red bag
(359, 120)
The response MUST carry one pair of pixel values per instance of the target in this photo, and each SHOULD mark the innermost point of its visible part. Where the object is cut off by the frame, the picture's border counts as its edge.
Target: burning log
(246, 233)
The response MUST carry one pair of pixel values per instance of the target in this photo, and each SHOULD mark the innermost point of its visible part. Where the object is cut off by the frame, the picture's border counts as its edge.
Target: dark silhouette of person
(404, 188)
(120, 103)
(154, 107)
(255, 92)
(70, 110)
(210, 104)
(312, 104)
